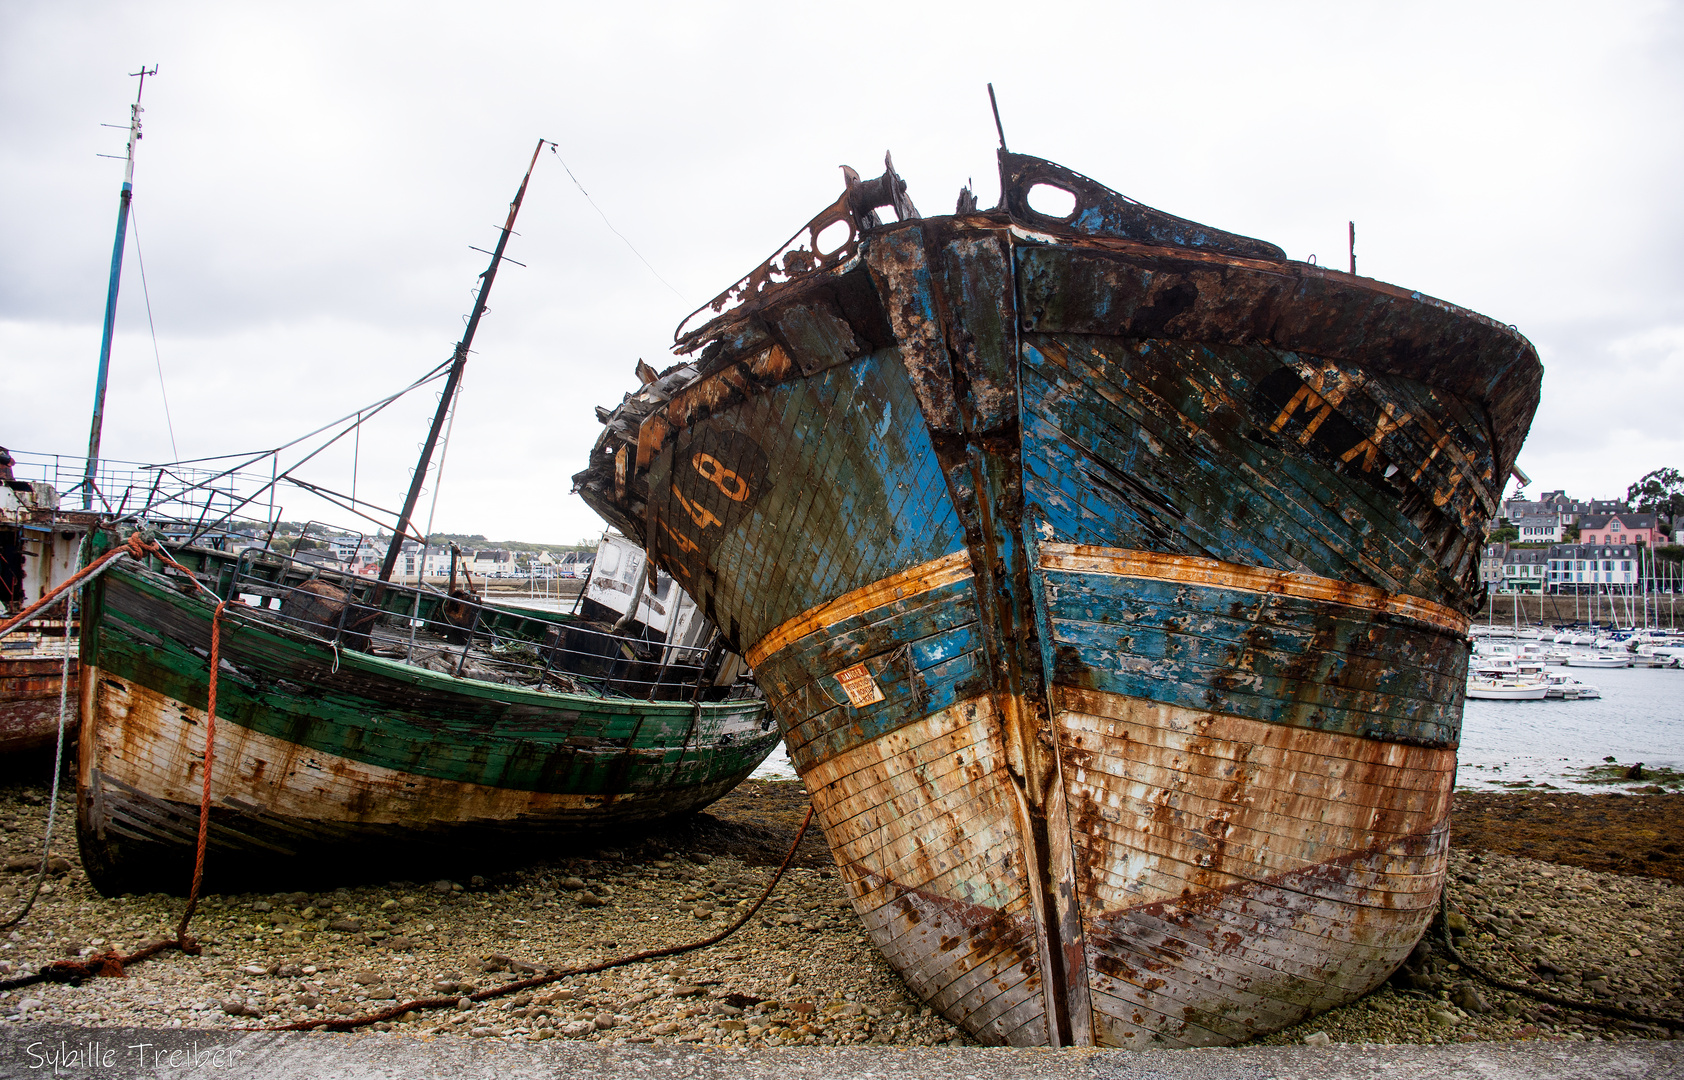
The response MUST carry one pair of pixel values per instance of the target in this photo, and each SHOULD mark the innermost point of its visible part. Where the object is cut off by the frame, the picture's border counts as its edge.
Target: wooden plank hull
(333, 761)
(29, 704)
(1110, 594)
(45, 541)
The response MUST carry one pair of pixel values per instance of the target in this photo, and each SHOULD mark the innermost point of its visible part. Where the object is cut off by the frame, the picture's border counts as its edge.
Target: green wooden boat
(366, 727)
(374, 728)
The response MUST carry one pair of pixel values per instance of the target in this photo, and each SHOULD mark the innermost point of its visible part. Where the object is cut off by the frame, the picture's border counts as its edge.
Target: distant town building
(1539, 528)
(409, 559)
(575, 563)
(1552, 515)
(1584, 566)
(1619, 528)
(1552, 502)
(1524, 570)
(347, 548)
(1491, 564)
(1557, 502)
(494, 562)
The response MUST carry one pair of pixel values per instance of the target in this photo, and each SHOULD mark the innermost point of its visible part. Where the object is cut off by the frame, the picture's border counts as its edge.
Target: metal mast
(123, 201)
(458, 362)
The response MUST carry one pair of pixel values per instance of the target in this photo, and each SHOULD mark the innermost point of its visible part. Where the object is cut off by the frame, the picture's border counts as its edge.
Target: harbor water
(775, 767)
(1639, 717)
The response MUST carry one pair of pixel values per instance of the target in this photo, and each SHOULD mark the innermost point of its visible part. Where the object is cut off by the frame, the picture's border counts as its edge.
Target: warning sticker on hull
(860, 687)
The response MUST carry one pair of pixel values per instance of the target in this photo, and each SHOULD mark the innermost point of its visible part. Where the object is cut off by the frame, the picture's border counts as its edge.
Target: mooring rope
(351, 1023)
(58, 766)
(1479, 972)
(205, 799)
(110, 962)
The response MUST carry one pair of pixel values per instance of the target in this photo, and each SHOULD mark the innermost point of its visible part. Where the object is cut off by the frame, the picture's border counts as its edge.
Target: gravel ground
(801, 972)
(1571, 932)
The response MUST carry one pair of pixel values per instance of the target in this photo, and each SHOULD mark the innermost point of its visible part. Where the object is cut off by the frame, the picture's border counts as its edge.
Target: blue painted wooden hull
(1108, 577)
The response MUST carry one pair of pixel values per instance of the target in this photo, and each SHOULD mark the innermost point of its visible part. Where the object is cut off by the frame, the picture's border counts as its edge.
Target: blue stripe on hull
(1278, 659)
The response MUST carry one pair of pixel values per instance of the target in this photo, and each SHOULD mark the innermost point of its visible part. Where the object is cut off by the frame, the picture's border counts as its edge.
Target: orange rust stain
(913, 581)
(722, 388)
(651, 436)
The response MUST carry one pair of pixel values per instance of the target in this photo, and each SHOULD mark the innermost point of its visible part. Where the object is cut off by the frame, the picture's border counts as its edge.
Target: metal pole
(1353, 239)
(458, 362)
(102, 377)
(580, 597)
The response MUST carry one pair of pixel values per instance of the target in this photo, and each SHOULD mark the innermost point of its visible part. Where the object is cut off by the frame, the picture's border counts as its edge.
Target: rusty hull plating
(1108, 577)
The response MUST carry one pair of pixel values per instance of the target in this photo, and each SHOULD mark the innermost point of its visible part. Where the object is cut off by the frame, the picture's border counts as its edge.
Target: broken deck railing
(460, 635)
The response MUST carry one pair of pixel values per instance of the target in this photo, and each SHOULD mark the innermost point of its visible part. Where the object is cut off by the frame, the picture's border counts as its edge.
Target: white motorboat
(1506, 667)
(1506, 688)
(1659, 656)
(1567, 688)
(1598, 660)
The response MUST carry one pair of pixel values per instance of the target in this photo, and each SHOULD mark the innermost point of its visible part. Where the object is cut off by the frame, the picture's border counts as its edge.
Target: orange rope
(111, 962)
(205, 800)
(135, 547)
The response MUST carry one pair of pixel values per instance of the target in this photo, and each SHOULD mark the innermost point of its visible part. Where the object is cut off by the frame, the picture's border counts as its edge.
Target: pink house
(1619, 529)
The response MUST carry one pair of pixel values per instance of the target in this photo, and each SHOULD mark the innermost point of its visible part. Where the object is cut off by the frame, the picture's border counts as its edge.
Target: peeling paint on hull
(47, 540)
(1109, 578)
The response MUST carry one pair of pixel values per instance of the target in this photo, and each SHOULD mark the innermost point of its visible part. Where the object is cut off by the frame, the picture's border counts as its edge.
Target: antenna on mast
(995, 105)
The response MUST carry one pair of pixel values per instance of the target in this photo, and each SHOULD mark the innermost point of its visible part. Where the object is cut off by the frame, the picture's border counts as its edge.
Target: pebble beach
(801, 972)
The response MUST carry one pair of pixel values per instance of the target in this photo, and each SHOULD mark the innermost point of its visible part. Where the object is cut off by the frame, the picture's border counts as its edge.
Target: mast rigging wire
(610, 224)
(251, 458)
(134, 223)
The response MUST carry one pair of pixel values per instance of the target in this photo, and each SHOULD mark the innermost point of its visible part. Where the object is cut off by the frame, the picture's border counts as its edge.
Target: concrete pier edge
(37, 1050)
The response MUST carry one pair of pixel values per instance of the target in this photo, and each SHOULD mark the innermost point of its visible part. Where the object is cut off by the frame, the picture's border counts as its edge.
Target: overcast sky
(312, 176)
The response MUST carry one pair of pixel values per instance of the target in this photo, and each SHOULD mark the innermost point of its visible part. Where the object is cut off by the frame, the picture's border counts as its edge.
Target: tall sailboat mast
(123, 201)
(459, 361)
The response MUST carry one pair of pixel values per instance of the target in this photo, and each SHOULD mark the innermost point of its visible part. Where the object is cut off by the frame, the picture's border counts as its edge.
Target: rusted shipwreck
(1108, 576)
(365, 727)
(39, 540)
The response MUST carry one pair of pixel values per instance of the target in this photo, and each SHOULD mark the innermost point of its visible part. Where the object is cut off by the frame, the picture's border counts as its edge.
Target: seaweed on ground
(1640, 778)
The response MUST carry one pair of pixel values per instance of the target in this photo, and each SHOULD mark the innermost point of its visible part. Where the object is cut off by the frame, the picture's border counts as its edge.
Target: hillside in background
(466, 541)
